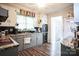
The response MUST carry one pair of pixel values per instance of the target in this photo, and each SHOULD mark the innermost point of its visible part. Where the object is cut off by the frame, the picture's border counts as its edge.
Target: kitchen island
(8, 49)
(36, 39)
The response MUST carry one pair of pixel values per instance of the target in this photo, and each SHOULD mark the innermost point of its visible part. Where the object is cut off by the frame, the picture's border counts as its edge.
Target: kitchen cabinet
(10, 48)
(76, 12)
(19, 39)
(8, 51)
(67, 51)
(33, 40)
(29, 44)
(36, 40)
(39, 39)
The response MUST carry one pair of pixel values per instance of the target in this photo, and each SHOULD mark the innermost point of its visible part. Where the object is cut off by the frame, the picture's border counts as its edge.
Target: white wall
(76, 12)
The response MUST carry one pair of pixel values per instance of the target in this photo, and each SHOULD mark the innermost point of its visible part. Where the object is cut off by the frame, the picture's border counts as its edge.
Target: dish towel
(27, 40)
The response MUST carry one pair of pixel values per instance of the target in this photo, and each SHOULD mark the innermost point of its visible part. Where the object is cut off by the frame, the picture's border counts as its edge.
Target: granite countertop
(9, 45)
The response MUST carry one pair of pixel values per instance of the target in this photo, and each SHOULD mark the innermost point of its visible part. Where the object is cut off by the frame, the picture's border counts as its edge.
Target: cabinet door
(28, 35)
(33, 40)
(39, 39)
(20, 41)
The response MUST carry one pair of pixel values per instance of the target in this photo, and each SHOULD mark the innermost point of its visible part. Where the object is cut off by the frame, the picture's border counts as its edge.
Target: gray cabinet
(9, 51)
(33, 40)
(39, 39)
(67, 51)
(19, 39)
(36, 39)
(27, 45)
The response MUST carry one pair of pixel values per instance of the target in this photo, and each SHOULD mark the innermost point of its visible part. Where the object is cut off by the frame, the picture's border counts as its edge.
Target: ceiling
(48, 8)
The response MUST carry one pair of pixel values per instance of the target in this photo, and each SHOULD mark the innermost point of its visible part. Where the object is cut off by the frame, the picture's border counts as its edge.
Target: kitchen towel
(27, 40)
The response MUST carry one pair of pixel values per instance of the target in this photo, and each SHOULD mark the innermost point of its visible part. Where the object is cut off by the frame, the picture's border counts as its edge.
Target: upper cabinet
(76, 12)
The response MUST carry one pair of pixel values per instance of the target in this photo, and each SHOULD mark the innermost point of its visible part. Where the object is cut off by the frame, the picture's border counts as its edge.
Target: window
(25, 23)
(30, 23)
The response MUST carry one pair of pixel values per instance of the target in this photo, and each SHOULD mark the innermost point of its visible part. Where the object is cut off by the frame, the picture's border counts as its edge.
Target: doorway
(56, 35)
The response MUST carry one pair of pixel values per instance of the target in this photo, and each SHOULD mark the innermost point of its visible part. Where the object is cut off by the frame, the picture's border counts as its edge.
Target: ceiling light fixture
(41, 3)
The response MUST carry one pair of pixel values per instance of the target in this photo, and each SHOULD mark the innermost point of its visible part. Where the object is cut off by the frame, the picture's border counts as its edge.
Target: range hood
(3, 14)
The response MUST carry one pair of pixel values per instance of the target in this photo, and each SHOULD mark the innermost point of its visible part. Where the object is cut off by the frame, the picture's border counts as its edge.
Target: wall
(63, 13)
(43, 18)
(76, 12)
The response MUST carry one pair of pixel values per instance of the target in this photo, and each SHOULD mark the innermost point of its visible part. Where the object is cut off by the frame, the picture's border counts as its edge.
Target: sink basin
(5, 41)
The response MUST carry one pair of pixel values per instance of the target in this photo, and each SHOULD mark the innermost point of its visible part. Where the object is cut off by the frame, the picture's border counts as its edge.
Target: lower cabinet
(39, 39)
(19, 39)
(33, 40)
(27, 35)
(67, 51)
(36, 39)
(9, 51)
